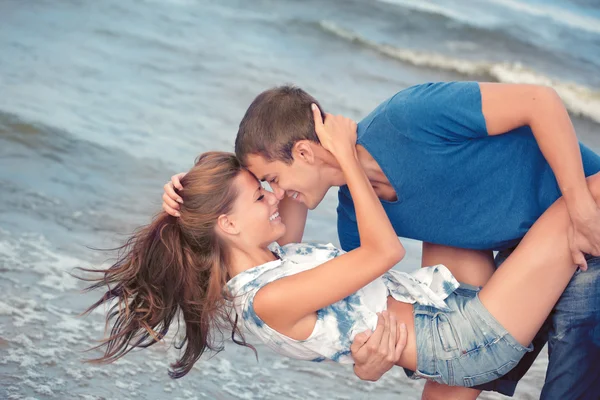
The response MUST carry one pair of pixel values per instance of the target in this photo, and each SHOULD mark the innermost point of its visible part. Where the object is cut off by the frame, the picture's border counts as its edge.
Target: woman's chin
(280, 230)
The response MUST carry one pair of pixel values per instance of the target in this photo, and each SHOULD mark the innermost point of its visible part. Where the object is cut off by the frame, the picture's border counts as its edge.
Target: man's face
(299, 180)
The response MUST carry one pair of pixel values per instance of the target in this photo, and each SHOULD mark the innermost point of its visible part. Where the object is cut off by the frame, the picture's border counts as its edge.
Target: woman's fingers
(317, 117)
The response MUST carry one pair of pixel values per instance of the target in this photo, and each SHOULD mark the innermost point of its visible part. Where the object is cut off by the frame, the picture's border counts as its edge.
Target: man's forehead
(253, 175)
(260, 167)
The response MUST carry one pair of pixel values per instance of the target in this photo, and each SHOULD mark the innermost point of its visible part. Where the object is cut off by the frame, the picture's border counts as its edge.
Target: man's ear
(303, 150)
(227, 225)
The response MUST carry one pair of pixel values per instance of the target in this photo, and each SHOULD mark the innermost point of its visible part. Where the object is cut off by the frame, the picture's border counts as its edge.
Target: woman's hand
(337, 134)
(171, 200)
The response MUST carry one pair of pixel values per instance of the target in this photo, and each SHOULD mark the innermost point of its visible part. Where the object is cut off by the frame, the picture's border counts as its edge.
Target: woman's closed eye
(261, 193)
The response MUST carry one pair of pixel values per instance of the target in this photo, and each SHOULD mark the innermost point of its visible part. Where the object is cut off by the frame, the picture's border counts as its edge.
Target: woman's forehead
(248, 181)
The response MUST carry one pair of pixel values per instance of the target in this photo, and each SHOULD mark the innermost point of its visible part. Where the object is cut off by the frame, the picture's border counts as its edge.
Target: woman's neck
(242, 259)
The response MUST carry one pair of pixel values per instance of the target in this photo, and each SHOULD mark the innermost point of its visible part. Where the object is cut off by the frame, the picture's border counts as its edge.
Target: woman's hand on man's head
(337, 133)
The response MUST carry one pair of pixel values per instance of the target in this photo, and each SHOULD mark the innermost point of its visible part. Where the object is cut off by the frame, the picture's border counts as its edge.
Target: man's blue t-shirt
(456, 185)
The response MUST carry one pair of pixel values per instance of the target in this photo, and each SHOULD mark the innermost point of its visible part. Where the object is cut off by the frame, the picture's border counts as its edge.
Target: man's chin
(311, 205)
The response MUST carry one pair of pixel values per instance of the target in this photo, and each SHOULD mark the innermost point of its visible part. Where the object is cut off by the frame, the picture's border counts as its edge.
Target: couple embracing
(467, 168)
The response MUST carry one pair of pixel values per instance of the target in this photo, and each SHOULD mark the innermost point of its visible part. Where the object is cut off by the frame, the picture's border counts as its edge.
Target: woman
(308, 301)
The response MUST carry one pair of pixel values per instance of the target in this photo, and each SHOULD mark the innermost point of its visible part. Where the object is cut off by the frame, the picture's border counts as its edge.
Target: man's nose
(278, 192)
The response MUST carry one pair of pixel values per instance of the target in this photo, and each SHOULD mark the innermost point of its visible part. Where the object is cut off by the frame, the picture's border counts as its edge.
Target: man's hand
(170, 198)
(584, 233)
(377, 352)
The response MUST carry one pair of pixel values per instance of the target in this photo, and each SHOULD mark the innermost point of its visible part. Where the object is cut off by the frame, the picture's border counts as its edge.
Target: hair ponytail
(175, 268)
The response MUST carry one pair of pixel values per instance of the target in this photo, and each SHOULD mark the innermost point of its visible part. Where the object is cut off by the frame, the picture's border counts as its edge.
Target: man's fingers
(359, 341)
(402, 339)
(576, 253)
(171, 192)
(392, 338)
(386, 332)
(170, 211)
(170, 202)
(176, 180)
(574, 245)
(579, 259)
(375, 338)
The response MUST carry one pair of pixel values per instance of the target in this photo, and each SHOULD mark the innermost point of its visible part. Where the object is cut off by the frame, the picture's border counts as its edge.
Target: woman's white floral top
(338, 323)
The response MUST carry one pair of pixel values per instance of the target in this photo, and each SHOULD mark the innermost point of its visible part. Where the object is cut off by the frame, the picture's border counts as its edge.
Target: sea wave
(579, 99)
(558, 15)
(440, 10)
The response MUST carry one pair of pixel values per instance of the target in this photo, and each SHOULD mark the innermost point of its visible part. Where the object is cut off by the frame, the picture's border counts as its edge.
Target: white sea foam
(44, 339)
(579, 99)
(557, 14)
(33, 253)
(430, 8)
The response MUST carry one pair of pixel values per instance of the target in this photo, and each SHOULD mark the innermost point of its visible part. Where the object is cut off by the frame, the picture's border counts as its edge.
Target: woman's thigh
(522, 292)
(437, 391)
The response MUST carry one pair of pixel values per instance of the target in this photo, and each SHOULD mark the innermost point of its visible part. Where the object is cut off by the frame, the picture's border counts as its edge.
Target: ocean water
(101, 102)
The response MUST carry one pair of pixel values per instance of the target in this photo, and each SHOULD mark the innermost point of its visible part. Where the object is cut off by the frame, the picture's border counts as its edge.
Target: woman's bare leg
(468, 266)
(523, 291)
(437, 391)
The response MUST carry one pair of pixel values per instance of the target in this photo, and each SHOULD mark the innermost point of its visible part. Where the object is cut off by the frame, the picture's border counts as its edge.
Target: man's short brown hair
(274, 122)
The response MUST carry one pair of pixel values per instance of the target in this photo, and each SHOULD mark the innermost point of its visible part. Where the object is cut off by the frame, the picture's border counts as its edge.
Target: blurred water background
(102, 101)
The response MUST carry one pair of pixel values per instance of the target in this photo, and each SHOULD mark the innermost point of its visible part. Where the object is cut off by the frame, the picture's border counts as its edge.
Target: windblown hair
(274, 122)
(172, 268)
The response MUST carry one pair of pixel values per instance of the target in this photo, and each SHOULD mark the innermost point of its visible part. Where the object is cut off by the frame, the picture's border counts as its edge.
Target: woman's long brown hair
(175, 265)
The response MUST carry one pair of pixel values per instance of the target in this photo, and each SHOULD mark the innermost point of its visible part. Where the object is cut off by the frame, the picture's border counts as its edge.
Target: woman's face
(255, 213)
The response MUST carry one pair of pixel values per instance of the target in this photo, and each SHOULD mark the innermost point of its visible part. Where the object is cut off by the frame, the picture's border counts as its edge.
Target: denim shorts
(465, 346)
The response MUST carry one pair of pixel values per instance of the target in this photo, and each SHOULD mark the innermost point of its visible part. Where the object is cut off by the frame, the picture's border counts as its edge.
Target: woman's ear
(227, 225)
(304, 151)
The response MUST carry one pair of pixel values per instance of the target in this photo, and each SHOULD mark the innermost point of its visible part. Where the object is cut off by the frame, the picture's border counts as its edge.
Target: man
(456, 165)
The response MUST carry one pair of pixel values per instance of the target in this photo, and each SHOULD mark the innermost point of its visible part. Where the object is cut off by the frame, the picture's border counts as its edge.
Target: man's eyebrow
(256, 177)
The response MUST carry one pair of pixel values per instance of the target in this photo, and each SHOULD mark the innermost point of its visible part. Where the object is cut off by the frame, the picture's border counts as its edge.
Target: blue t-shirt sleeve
(346, 223)
(443, 111)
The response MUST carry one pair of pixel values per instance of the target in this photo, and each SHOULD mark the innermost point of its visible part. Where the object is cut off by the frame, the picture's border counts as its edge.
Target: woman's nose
(272, 198)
